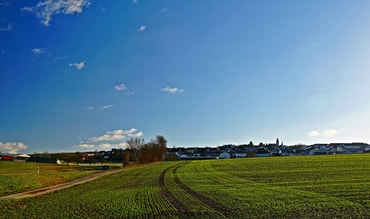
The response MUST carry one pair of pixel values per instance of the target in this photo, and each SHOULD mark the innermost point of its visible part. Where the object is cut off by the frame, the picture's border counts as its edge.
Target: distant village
(267, 150)
(198, 153)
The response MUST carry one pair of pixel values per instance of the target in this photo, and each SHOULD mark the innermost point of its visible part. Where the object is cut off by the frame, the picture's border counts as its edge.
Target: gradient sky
(78, 75)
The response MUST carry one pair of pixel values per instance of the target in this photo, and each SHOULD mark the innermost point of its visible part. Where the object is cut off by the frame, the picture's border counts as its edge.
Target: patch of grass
(18, 177)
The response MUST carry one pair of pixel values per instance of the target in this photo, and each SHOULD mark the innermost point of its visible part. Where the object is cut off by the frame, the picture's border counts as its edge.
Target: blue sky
(78, 75)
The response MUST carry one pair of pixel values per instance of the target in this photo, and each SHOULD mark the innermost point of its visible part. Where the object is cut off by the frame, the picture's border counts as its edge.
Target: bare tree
(134, 144)
(154, 150)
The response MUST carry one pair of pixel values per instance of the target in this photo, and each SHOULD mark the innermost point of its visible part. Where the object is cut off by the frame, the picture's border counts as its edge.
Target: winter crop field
(330, 186)
(23, 176)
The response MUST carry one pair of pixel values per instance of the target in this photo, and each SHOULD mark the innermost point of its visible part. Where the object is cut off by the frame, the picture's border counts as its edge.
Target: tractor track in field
(170, 197)
(208, 201)
(178, 204)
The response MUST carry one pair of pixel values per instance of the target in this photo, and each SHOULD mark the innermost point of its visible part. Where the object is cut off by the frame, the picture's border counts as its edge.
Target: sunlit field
(330, 186)
(23, 176)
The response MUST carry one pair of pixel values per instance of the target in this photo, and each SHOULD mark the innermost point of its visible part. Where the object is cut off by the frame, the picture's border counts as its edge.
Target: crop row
(342, 176)
(134, 193)
(255, 199)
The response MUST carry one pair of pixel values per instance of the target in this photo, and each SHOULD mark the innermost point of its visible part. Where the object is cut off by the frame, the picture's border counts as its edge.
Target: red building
(6, 157)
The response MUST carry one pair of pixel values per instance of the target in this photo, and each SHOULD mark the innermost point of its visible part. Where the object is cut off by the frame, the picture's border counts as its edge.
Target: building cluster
(266, 150)
(197, 153)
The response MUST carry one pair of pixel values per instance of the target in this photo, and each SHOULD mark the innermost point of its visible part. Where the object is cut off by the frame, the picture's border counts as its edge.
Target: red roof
(7, 157)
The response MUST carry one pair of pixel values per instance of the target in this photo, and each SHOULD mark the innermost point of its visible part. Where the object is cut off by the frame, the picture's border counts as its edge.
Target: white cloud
(122, 145)
(107, 106)
(78, 66)
(172, 90)
(105, 146)
(142, 28)
(108, 137)
(108, 146)
(38, 51)
(117, 135)
(120, 87)
(85, 146)
(325, 133)
(164, 10)
(90, 108)
(139, 134)
(12, 147)
(45, 10)
(135, 1)
(8, 27)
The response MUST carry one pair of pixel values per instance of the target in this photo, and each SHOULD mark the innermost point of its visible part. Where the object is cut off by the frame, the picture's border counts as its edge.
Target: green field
(18, 177)
(330, 186)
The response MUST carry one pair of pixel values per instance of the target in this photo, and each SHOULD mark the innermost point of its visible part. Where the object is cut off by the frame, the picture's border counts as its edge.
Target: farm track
(57, 187)
(221, 209)
(211, 203)
(170, 197)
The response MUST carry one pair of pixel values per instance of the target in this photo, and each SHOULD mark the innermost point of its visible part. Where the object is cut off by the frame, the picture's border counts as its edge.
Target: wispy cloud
(45, 10)
(164, 10)
(142, 28)
(135, 1)
(38, 51)
(107, 106)
(104, 107)
(120, 87)
(57, 58)
(172, 90)
(27, 9)
(102, 8)
(78, 66)
(325, 133)
(12, 147)
(8, 27)
(123, 87)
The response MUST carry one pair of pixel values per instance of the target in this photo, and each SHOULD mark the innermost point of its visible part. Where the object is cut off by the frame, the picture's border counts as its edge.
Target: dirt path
(57, 187)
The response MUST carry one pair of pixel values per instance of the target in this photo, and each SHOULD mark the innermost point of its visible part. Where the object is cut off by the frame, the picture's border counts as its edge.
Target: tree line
(137, 151)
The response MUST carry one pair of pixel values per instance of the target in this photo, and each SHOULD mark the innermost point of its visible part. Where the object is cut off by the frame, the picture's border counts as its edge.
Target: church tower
(277, 142)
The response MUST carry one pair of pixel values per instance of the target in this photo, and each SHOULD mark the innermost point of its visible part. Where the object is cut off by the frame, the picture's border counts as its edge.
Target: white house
(225, 155)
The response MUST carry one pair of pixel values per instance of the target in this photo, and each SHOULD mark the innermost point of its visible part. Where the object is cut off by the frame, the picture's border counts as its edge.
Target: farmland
(335, 186)
(23, 176)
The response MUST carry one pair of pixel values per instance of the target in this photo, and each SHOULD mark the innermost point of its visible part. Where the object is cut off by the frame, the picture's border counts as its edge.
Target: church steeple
(277, 142)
